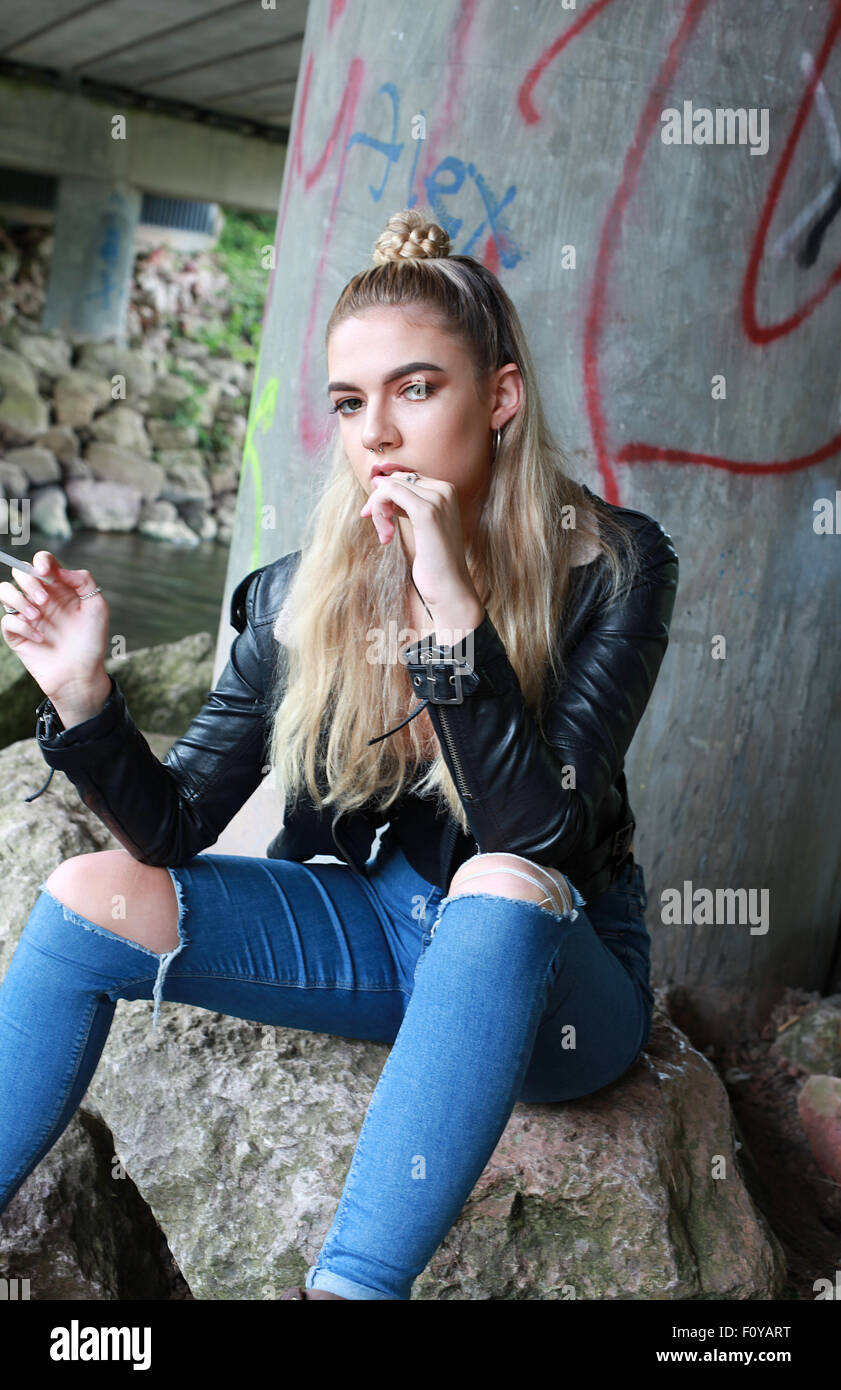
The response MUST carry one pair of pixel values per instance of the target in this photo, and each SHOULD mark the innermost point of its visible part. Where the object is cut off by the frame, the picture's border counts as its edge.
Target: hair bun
(409, 236)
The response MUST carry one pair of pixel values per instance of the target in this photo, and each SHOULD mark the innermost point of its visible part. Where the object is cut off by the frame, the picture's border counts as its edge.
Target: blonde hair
(347, 583)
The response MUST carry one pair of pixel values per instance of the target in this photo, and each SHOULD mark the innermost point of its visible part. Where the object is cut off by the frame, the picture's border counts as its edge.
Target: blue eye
(428, 390)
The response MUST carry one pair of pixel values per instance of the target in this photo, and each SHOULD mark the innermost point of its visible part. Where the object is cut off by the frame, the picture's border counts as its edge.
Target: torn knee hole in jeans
(555, 901)
(164, 958)
(167, 959)
(556, 913)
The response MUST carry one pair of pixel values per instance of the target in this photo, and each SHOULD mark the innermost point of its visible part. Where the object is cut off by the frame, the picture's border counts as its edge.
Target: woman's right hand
(63, 647)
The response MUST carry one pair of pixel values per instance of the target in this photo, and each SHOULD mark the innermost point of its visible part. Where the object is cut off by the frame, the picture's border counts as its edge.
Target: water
(156, 592)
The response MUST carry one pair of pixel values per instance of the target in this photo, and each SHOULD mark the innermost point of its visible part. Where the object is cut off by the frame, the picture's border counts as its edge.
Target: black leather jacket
(512, 782)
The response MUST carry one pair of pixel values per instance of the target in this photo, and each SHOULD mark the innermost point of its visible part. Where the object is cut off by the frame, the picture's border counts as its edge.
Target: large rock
(39, 464)
(813, 1041)
(77, 468)
(78, 1228)
(228, 369)
(224, 478)
(14, 480)
(48, 512)
(61, 441)
(186, 480)
(819, 1108)
(165, 435)
(161, 522)
(114, 359)
(168, 395)
(125, 428)
(607, 1197)
(51, 356)
(78, 396)
(165, 686)
(22, 414)
(199, 520)
(103, 506)
(112, 464)
(183, 347)
(231, 404)
(15, 371)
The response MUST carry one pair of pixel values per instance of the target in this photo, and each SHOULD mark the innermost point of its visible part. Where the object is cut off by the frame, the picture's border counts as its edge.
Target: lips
(387, 468)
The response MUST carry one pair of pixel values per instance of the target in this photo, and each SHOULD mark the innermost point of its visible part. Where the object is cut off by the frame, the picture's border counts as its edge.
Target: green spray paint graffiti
(261, 414)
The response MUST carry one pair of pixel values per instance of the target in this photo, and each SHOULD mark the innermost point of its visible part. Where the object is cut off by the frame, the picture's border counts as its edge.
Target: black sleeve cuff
(56, 742)
(445, 674)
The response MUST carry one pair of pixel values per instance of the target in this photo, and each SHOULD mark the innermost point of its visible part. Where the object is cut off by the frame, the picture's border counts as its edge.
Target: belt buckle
(461, 667)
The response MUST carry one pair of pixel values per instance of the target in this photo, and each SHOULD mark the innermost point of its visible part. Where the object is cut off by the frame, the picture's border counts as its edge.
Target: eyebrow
(392, 376)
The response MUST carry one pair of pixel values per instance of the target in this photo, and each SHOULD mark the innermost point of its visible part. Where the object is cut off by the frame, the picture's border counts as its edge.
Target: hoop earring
(498, 437)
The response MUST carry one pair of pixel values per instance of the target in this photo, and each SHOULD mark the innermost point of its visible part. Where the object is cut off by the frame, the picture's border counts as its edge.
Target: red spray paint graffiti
(312, 424)
(643, 451)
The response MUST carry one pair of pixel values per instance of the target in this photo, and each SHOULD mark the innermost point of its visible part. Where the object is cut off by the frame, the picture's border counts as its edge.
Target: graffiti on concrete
(109, 249)
(453, 184)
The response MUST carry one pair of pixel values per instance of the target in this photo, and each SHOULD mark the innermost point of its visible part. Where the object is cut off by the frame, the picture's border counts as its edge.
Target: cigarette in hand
(20, 564)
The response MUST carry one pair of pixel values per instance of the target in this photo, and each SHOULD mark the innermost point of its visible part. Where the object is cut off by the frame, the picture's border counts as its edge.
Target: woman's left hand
(439, 568)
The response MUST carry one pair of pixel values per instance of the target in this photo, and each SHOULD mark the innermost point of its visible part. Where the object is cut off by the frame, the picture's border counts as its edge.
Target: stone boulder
(111, 359)
(199, 521)
(14, 480)
(239, 1136)
(78, 396)
(48, 513)
(123, 426)
(79, 1229)
(819, 1108)
(161, 522)
(16, 372)
(61, 441)
(168, 395)
(113, 464)
(22, 414)
(38, 463)
(49, 355)
(165, 435)
(186, 480)
(104, 506)
(813, 1041)
(165, 686)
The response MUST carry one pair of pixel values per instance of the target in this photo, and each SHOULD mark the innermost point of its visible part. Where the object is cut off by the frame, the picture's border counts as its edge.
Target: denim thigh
(597, 1019)
(308, 946)
(319, 947)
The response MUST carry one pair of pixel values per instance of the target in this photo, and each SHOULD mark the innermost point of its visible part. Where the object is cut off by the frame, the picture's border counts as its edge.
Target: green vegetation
(188, 411)
(214, 440)
(239, 253)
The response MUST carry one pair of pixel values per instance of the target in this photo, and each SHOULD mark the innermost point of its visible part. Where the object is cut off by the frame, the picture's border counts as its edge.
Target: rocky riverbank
(144, 436)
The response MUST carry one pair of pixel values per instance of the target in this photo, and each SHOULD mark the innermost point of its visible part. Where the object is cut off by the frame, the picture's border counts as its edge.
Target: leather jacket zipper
(462, 785)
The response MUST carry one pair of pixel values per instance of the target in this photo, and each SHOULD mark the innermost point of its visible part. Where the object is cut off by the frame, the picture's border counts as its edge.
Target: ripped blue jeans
(485, 1001)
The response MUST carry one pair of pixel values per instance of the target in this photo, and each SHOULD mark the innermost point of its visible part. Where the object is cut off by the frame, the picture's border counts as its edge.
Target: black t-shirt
(418, 828)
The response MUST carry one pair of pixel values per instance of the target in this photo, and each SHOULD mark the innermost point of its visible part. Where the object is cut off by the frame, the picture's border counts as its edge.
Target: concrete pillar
(650, 272)
(90, 270)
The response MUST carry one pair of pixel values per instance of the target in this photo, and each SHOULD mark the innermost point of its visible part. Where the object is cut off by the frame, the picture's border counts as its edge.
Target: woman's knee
(115, 891)
(513, 876)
